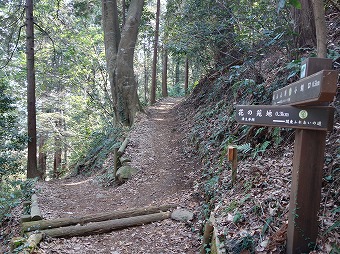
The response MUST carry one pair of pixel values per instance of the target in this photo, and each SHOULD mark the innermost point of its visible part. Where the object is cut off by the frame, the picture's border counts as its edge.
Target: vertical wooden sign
(305, 193)
(309, 147)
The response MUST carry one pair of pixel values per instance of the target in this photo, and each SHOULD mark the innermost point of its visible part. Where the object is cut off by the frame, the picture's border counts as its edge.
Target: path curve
(165, 176)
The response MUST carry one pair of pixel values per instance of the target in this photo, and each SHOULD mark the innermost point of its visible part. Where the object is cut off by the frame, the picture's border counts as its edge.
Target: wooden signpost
(311, 123)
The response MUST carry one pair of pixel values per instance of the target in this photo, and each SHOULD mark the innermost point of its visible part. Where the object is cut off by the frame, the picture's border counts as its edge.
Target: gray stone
(100, 195)
(125, 173)
(124, 161)
(182, 215)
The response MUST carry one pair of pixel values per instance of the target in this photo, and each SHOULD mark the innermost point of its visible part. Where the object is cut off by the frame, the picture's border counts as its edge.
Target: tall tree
(128, 102)
(186, 81)
(154, 63)
(320, 27)
(32, 170)
(119, 50)
(304, 27)
(165, 73)
(111, 43)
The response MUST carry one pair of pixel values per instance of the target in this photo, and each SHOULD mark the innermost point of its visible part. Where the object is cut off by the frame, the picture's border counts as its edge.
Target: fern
(244, 148)
(259, 130)
(261, 148)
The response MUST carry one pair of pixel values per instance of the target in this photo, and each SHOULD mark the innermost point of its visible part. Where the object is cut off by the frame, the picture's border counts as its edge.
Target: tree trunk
(177, 77)
(119, 52)
(304, 27)
(154, 63)
(32, 170)
(165, 74)
(62, 222)
(57, 148)
(146, 74)
(127, 98)
(186, 82)
(42, 155)
(320, 27)
(111, 42)
(105, 226)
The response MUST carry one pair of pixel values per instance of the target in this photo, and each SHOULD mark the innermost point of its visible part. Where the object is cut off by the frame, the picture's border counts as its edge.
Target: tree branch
(46, 33)
(16, 46)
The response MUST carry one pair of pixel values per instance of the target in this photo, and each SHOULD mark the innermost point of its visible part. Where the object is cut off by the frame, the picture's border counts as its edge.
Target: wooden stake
(232, 157)
(123, 147)
(305, 193)
(115, 162)
(206, 241)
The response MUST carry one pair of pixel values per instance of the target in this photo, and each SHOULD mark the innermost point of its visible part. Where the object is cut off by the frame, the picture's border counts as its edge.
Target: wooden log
(123, 147)
(105, 226)
(115, 162)
(35, 211)
(25, 218)
(62, 222)
(22, 245)
(26, 204)
(32, 242)
(206, 241)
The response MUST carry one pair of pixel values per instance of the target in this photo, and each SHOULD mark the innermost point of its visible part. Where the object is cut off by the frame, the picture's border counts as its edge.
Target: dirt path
(165, 177)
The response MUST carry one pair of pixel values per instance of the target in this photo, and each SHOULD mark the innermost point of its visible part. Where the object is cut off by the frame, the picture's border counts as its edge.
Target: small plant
(260, 148)
(244, 148)
(232, 206)
(238, 217)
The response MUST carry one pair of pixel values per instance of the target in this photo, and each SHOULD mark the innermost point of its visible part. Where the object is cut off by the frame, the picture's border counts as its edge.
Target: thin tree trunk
(42, 155)
(32, 170)
(146, 74)
(111, 42)
(154, 63)
(320, 27)
(186, 82)
(165, 74)
(177, 74)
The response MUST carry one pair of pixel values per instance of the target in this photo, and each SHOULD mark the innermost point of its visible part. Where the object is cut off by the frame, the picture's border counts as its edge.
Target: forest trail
(165, 176)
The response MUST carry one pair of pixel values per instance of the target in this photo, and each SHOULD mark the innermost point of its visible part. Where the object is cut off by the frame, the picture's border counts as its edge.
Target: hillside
(252, 215)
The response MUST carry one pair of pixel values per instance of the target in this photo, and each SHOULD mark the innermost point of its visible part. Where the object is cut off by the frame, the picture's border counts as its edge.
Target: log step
(62, 222)
(105, 226)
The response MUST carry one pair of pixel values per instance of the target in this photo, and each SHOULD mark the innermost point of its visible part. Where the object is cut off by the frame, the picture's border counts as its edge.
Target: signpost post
(311, 123)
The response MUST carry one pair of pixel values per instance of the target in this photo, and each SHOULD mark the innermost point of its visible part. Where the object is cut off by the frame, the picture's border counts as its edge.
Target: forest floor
(165, 176)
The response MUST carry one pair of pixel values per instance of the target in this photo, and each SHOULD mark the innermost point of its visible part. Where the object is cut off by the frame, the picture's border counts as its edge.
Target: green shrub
(12, 192)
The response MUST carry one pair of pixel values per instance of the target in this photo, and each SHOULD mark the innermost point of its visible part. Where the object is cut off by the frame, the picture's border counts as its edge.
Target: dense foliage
(239, 52)
(12, 141)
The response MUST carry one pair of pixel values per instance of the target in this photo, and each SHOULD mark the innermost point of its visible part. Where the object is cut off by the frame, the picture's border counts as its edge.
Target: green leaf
(295, 3)
(238, 216)
(266, 226)
(336, 210)
(329, 178)
(334, 226)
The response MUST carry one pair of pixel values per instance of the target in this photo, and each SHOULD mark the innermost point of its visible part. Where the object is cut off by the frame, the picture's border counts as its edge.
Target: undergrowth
(94, 154)
(214, 128)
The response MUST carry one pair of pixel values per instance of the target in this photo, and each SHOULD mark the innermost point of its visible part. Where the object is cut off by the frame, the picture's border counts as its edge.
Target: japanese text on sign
(285, 116)
(319, 87)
